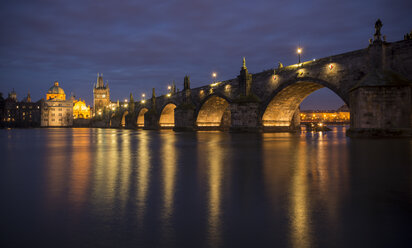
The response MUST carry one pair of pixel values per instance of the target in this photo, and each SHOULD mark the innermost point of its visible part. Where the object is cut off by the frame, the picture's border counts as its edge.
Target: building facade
(101, 96)
(341, 115)
(56, 110)
(81, 110)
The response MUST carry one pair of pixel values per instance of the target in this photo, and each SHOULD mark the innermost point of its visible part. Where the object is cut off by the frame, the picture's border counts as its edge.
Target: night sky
(138, 45)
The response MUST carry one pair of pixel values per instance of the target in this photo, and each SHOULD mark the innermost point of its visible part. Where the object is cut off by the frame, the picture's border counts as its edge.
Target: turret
(100, 83)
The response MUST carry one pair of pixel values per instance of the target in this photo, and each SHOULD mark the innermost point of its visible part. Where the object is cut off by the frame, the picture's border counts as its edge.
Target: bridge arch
(279, 109)
(167, 116)
(123, 120)
(214, 113)
(140, 117)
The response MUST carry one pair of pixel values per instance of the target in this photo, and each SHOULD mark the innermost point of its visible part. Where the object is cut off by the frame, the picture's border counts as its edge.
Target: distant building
(81, 110)
(342, 115)
(101, 96)
(56, 110)
(19, 114)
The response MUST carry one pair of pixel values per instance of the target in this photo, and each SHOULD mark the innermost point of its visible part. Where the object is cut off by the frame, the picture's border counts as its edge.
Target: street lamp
(299, 51)
(214, 75)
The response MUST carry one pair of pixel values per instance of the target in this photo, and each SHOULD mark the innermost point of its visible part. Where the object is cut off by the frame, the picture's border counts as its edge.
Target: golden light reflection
(80, 167)
(106, 167)
(143, 170)
(213, 163)
(124, 164)
(56, 171)
(169, 170)
(299, 203)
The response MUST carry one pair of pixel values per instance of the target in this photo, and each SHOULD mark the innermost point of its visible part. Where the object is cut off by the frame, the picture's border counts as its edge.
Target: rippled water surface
(127, 188)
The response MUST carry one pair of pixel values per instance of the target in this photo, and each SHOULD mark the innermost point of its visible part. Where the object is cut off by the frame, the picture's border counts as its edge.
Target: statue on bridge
(378, 26)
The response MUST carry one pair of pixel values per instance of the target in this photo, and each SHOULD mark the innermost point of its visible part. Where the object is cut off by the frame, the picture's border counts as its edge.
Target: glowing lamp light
(169, 87)
(125, 100)
(168, 95)
(143, 101)
(299, 50)
(143, 95)
(214, 74)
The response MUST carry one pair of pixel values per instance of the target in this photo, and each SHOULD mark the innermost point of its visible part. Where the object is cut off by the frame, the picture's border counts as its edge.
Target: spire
(100, 83)
(131, 97)
(244, 63)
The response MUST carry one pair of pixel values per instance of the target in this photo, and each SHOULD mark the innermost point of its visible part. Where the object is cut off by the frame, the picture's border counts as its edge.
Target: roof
(55, 89)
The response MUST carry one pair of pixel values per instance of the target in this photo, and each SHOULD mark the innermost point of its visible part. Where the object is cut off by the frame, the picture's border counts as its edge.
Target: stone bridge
(374, 82)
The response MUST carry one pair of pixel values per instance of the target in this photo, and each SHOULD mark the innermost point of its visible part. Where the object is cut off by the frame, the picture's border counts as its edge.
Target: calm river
(128, 188)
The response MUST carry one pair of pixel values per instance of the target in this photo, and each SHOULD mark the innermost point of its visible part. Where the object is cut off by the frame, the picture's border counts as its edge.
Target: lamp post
(214, 75)
(299, 51)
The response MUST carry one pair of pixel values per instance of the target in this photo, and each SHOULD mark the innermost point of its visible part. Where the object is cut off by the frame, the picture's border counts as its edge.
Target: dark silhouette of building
(19, 114)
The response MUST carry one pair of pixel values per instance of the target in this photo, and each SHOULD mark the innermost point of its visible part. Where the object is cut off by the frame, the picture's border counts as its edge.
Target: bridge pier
(151, 121)
(184, 118)
(245, 117)
(381, 107)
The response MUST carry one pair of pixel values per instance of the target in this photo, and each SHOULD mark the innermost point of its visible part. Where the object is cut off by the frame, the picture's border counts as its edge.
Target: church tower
(101, 95)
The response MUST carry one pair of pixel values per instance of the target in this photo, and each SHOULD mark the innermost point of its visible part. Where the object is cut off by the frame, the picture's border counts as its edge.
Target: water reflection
(169, 170)
(211, 163)
(299, 204)
(143, 171)
(56, 166)
(80, 167)
(126, 188)
(311, 168)
(124, 165)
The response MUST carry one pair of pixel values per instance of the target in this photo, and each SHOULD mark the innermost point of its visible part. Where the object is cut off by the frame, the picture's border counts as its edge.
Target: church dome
(55, 89)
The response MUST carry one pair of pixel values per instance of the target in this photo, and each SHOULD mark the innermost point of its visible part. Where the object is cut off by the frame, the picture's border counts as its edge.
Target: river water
(127, 188)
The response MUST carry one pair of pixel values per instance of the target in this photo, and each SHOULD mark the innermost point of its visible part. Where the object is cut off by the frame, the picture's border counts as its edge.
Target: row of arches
(215, 113)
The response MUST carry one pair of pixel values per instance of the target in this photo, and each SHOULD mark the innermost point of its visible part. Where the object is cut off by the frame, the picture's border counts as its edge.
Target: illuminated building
(81, 110)
(101, 95)
(56, 110)
(342, 115)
